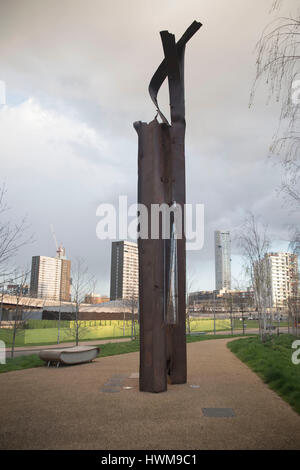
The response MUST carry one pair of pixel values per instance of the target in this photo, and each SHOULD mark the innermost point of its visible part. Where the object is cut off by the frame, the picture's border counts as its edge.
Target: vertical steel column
(161, 179)
(153, 141)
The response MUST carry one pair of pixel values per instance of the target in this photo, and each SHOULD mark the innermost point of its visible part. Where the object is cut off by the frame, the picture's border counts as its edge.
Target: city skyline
(117, 265)
(72, 127)
(210, 280)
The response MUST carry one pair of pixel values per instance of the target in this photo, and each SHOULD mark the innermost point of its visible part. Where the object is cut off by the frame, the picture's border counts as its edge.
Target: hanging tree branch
(278, 63)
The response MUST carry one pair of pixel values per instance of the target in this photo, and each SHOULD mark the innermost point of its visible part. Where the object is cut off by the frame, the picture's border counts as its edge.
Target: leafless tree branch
(12, 235)
(278, 63)
(254, 243)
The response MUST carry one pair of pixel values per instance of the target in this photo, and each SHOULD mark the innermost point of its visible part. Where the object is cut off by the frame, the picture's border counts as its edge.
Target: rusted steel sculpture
(161, 179)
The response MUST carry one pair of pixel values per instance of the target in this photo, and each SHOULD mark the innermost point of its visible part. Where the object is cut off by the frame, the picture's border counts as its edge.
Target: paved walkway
(86, 407)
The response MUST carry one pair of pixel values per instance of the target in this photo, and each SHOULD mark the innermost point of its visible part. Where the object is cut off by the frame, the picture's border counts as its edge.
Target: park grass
(272, 362)
(194, 338)
(21, 362)
(70, 340)
(238, 324)
(112, 349)
(108, 349)
(48, 336)
(37, 335)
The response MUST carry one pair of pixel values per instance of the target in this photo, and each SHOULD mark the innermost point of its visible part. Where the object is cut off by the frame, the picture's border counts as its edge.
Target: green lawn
(46, 336)
(272, 362)
(193, 338)
(207, 324)
(21, 362)
(109, 349)
(44, 332)
(238, 324)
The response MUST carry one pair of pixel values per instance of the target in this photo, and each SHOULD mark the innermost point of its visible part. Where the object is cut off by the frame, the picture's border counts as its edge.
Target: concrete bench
(75, 355)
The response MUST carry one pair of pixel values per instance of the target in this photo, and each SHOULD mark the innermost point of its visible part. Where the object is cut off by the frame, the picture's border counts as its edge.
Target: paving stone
(218, 412)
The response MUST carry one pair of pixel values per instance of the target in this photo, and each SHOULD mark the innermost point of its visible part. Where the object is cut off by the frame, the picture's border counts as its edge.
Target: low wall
(89, 316)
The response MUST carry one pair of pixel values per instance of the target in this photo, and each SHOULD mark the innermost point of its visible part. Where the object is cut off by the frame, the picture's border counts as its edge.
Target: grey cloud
(92, 61)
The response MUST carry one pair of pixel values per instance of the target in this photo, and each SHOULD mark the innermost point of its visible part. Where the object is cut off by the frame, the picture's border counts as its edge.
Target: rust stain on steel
(161, 179)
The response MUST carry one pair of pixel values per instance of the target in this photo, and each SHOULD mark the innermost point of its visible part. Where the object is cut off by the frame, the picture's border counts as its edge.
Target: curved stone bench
(75, 355)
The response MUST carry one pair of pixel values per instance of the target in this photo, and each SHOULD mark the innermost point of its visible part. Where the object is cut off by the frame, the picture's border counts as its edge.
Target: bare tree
(230, 305)
(254, 243)
(243, 300)
(293, 314)
(294, 300)
(278, 63)
(20, 315)
(132, 302)
(12, 235)
(83, 283)
(2, 297)
(190, 280)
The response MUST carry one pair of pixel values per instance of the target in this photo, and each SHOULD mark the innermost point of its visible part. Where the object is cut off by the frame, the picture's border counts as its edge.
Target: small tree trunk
(264, 329)
(14, 335)
(259, 326)
(134, 329)
(243, 320)
(1, 308)
(214, 321)
(58, 329)
(77, 335)
(77, 325)
(231, 315)
(132, 323)
(13, 340)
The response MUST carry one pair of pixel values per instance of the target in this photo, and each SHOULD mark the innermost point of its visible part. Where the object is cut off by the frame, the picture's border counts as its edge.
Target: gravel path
(86, 407)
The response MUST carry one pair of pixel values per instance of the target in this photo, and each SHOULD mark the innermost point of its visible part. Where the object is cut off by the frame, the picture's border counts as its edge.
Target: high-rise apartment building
(222, 259)
(282, 277)
(50, 278)
(65, 280)
(124, 275)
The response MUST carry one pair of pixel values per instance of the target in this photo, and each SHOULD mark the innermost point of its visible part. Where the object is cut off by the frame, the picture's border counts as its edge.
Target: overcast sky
(77, 74)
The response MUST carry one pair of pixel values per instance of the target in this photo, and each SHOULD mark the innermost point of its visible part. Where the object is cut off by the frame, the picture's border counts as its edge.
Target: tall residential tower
(282, 277)
(124, 277)
(222, 259)
(51, 278)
